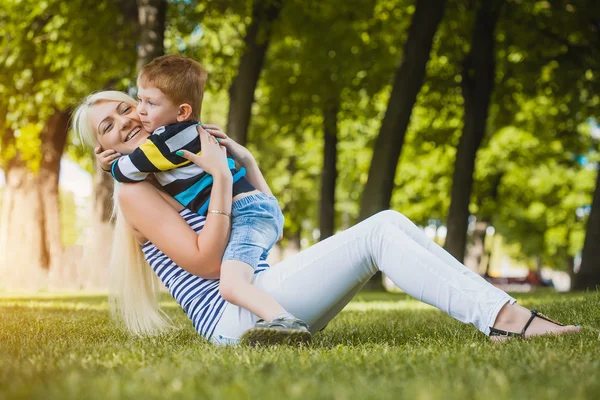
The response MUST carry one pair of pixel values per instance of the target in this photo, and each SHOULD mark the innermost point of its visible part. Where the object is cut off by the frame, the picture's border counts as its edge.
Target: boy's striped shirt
(189, 184)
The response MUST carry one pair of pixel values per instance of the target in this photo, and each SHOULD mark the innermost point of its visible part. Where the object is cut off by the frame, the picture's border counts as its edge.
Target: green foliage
(526, 179)
(424, 174)
(537, 195)
(381, 346)
(211, 32)
(344, 53)
(53, 53)
(325, 54)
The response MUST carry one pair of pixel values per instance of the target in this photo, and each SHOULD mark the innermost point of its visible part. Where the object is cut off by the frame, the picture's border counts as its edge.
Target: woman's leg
(317, 283)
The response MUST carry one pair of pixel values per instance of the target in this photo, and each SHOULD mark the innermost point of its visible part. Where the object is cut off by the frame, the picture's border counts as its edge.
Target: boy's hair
(181, 79)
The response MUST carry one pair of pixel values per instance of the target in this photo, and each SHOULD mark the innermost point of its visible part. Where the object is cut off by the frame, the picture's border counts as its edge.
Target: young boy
(170, 92)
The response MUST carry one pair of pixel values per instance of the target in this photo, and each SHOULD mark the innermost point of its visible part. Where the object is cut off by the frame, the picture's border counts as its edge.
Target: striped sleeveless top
(199, 297)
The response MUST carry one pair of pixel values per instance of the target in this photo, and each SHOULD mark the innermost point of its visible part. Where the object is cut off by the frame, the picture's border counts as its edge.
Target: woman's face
(117, 126)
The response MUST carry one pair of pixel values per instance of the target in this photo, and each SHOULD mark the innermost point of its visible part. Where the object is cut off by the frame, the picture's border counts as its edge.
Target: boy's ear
(184, 113)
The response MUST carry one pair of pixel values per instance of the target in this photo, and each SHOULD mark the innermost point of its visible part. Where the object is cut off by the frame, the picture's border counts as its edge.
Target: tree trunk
(94, 271)
(477, 85)
(588, 276)
(151, 19)
(256, 43)
(407, 83)
(30, 242)
(329, 176)
(477, 249)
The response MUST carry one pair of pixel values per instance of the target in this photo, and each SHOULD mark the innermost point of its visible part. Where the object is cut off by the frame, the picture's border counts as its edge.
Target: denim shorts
(256, 224)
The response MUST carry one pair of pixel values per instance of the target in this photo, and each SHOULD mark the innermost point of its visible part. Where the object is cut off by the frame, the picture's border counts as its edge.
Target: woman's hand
(212, 158)
(106, 157)
(239, 153)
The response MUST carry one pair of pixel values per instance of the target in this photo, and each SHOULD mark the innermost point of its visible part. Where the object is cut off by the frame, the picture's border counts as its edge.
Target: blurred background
(474, 118)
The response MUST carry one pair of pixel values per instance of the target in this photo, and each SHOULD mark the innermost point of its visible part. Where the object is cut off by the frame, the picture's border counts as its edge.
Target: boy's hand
(106, 157)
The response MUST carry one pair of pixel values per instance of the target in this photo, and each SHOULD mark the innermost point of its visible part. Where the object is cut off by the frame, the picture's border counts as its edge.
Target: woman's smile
(133, 133)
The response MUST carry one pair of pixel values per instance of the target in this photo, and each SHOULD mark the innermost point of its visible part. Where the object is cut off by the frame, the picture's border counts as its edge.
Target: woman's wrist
(223, 176)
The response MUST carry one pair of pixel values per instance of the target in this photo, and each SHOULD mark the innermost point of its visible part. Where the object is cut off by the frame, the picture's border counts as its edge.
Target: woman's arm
(254, 176)
(148, 212)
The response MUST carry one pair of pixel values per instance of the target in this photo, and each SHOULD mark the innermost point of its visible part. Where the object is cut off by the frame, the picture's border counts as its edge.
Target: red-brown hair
(181, 79)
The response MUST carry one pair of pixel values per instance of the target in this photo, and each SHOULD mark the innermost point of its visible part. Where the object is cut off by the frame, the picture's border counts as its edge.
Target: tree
(256, 43)
(329, 63)
(477, 85)
(329, 177)
(407, 83)
(152, 15)
(52, 66)
(589, 274)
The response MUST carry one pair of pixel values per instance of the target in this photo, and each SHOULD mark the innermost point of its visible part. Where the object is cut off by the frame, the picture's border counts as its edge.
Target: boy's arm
(124, 170)
(157, 153)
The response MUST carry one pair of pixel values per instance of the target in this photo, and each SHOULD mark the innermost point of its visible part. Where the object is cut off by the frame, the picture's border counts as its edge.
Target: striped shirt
(199, 297)
(189, 184)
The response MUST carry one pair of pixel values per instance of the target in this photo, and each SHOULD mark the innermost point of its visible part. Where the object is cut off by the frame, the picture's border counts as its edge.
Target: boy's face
(155, 108)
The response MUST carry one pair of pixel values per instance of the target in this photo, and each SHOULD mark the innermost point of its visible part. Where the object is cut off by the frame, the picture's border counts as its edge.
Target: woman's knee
(390, 216)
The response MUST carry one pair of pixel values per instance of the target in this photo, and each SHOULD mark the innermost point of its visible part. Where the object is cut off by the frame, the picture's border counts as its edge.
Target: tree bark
(329, 176)
(478, 76)
(151, 19)
(30, 242)
(407, 83)
(94, 270)
(477, 249)
(588, 276)
(256, 43)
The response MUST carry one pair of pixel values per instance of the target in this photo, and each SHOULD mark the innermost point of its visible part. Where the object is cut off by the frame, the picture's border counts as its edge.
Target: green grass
(382, 346)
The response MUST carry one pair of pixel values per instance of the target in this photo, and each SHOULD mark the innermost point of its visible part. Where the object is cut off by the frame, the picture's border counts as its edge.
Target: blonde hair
(134, 288)
(81, 117)
(181, 79)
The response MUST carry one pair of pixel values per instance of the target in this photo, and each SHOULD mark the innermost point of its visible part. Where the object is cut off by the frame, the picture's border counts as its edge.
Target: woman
(185, 251)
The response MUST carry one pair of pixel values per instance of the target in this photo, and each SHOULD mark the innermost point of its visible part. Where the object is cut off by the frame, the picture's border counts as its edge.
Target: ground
(382, 346)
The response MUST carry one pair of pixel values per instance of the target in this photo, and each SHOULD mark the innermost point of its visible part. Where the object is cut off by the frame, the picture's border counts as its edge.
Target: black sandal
(534, 313)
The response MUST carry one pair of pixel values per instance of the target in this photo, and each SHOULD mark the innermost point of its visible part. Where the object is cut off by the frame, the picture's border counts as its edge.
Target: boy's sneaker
(292, 331)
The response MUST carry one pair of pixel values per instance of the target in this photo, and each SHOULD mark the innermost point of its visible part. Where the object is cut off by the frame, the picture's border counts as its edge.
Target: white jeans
(317, 283)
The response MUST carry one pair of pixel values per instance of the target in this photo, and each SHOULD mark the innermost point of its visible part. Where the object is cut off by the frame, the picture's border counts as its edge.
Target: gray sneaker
(290, 331)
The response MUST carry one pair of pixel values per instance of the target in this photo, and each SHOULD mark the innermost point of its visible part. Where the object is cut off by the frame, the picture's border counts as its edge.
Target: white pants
(317, 283)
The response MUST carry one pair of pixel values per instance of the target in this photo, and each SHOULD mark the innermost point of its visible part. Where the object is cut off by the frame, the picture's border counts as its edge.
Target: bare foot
(513, 317)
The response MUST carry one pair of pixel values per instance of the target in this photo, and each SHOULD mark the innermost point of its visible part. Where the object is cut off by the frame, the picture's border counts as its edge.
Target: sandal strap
(500, 332)
(534, 313)
(542, 316)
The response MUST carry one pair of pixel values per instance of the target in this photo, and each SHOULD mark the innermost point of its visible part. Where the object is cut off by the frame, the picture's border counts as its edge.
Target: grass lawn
(382, 346)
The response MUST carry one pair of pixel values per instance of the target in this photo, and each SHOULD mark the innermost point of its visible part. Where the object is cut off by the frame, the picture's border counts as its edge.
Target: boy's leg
(235, 287)
(278, 326)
